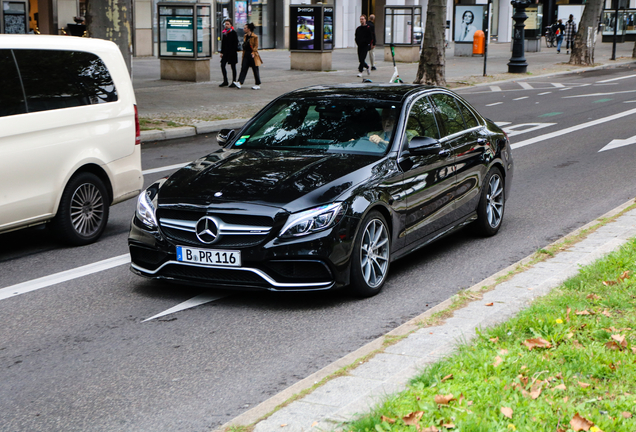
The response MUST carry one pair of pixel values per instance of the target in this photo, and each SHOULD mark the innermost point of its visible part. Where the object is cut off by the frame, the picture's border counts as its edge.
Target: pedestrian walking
(373, 42)
(363, 39)
(251, 57)
(569, 33)
(558, 30)
(229, 52)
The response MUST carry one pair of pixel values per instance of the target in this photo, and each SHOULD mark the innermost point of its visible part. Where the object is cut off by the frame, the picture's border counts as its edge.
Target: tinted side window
(449, 114)
(61, 79)
(421, 120)
(469, 117)
(11, 95)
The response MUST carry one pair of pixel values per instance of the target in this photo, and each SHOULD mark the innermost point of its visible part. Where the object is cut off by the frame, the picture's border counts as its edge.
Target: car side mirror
(224, 136)
(424, 146)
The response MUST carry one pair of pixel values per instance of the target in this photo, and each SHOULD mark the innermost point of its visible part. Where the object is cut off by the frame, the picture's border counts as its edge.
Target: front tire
(83, 212)
(490, 211)
(371, 256)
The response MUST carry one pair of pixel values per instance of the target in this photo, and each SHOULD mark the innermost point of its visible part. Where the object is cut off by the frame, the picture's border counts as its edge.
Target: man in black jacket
(228, 53)
(364, 37)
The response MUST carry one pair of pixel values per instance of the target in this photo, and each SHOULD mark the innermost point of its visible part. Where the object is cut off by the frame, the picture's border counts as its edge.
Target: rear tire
(371, 256)
(490, 211)
(83, 212)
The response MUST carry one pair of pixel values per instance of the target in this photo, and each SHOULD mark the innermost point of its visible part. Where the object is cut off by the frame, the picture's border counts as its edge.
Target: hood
(264, 177)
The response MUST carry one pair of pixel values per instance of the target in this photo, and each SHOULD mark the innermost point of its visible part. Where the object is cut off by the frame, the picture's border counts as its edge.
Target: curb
(216, 126)
(255, 414)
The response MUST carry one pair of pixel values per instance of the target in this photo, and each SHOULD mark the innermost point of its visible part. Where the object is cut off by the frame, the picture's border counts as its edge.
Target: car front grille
(147, 258)
(211, 276)
(308, 271)
(237, 230)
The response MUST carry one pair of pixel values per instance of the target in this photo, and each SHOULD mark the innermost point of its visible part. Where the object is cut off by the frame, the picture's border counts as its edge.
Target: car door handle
(444, 152)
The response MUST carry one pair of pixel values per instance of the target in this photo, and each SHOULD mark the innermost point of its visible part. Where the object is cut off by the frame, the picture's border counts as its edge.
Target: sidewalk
(207, 108)
(368, 382)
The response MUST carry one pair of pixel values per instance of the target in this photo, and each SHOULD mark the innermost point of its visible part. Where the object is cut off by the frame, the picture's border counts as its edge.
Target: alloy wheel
(374, 253)
(87, 209)
(495, 201)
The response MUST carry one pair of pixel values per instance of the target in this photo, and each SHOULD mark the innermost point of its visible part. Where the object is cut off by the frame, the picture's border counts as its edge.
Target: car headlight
(313, 220)
(146, 206)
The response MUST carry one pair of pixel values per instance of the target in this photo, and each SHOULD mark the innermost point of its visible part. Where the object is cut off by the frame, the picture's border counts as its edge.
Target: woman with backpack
(559, 28)
(251, 58)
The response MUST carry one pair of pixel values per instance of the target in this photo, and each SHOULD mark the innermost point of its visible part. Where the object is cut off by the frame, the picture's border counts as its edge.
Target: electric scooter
(395, 79)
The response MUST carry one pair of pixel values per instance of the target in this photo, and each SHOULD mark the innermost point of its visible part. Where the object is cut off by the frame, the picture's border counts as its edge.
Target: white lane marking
(572, 129)
(544, 93)
(195, 301)
(619, 143)
(166, 168)
(566, 88)
(46, 281)
(496, 103)
(599, 94)
(514, 129)
(495, 88)
(634, 101)
(524, 97)
(558, 85)
(616, 79)
(525, 85)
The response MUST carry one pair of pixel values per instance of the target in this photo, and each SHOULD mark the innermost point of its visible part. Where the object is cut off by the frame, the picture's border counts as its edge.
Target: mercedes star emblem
(207, 230)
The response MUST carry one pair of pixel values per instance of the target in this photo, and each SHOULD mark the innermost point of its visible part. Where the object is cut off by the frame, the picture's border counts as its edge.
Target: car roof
(56, 42)
(388, 92)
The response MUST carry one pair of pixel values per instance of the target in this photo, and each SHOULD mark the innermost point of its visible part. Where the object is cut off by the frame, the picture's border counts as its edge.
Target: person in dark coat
(364, 37)
(228, 53)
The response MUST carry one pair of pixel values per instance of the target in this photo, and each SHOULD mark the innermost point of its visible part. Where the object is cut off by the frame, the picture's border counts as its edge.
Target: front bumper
(315, 262)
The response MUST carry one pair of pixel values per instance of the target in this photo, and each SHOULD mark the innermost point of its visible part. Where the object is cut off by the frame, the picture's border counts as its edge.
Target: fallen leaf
(577, 344)
(613, 346)
(634, 350)
(503, 351)
(592, 297)
(579, 423)
(507, 412)
(525, 393)
(448, 425)
(565, 399)
(608, 283)
(283, 425)
(627, 414)
(523, 379)
(469, 403)
(567, 315)
(537, 343)
(584, 385)
(560, 387)
(444, 400)
(620, 339)
(625, 275)
(535, 392)
(447, 377)
(560, 430)
(489, 304)
(585, 312)
(606, 313)
(524, 367)
(315, 423)
(430, 429)
(413, 418)
(386, 419)
(498, 361)
(495, 339)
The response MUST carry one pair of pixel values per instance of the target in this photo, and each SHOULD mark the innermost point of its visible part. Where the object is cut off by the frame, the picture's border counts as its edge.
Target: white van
(69, 134)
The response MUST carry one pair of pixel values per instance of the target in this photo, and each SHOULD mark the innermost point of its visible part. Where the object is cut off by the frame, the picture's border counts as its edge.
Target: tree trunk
(585, 39)
(111, 20)
(432, 67)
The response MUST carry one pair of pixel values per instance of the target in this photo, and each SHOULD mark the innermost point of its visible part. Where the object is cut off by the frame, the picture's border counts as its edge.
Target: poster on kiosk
(311, 27)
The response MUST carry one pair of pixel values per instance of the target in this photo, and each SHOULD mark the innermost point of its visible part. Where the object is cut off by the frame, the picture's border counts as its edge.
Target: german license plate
(211, 257)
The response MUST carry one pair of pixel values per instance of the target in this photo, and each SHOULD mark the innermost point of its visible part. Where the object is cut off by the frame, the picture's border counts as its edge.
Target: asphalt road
(78, 356)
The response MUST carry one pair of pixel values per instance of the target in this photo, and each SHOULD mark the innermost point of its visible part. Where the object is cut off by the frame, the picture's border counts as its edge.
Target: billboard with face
(468, 19)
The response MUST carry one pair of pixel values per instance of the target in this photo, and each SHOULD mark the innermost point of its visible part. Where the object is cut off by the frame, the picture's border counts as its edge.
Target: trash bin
(479, 43)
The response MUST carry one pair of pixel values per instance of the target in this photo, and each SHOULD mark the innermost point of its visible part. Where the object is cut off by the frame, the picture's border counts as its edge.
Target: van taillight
(137, 130)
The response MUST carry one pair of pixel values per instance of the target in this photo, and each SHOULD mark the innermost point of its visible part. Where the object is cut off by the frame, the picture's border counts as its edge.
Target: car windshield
(363, 126)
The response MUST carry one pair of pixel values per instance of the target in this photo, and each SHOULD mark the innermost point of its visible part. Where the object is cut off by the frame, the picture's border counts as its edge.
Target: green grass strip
(589, 369)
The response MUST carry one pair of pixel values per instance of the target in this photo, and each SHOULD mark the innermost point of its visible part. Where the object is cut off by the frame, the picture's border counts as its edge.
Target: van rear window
(55, 79)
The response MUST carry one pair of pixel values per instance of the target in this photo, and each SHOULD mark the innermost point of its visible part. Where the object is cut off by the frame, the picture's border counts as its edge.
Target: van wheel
(83, 212)
(371, 256)
(490, 211)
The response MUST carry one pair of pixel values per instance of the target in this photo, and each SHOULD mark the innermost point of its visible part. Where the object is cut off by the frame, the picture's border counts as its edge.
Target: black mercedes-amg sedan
(324, 188)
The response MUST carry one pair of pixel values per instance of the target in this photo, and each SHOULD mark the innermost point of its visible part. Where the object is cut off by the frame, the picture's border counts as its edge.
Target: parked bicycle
(550, 37)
